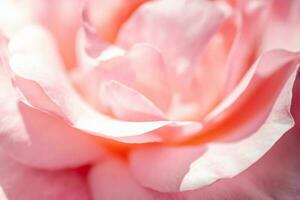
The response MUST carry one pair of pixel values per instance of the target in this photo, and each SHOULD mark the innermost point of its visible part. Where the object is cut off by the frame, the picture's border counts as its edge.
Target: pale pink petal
(62, 19)
(209, 76)
(15, 15)
(36, 66)
(128, 104)
(111, 179)
(225, 160)
(26, 133)
(141, 68)
(251, 20)
(20, 182)
(282, 29)
(162, 168)
(275, 176)
(180, 37)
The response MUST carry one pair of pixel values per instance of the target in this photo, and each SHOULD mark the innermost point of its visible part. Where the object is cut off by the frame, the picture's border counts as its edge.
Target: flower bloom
(141, 99)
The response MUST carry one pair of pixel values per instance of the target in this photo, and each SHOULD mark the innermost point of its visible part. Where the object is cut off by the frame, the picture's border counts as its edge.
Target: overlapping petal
(272, 122)
(21, 182)
(247, 140)
(51, 82)
(275, 176)
(112, 180)
(24, 137)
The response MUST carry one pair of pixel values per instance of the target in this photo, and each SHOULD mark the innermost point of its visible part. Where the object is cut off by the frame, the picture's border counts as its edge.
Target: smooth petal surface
(62, 19)
(162, 168)
(121, 99)
(140, 68)
(112, 180)
(20, 182)
(259, 89)
(108, 16)
(26, 133)
(14, 15)
(275, 176)
(180, 38)
(251, 18)
(51, 83)
(283, 22)
(224, 160)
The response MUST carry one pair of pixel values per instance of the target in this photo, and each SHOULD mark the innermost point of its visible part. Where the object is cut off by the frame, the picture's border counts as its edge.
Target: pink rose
(147, 100)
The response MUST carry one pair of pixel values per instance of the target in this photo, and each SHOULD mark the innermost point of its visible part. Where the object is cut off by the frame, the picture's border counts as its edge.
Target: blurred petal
(296, 102)
(162, 168)
(62, 19)
(112, 180)
(222, 160)
(14, 15)
(282, 29)
(21, 182)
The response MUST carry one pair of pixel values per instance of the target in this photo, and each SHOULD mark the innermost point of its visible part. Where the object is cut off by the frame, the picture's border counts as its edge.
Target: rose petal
(3, 195)
(21, 182)
(15, 15)
(275, 176)
(283, 22)
(296, 102)
(251, 20)
(127, 104)
(50, 81)
(259, 89)
(225, 160)
(162, 168)
(112, 180)
(179, 37)
(25, 133)
(141, 68)
(111, 16)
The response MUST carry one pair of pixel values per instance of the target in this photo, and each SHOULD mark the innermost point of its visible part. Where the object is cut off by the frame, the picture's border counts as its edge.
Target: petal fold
(225, 160)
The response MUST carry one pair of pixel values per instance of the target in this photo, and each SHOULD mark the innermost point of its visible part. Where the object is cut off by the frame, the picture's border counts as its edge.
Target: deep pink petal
(20, 182)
